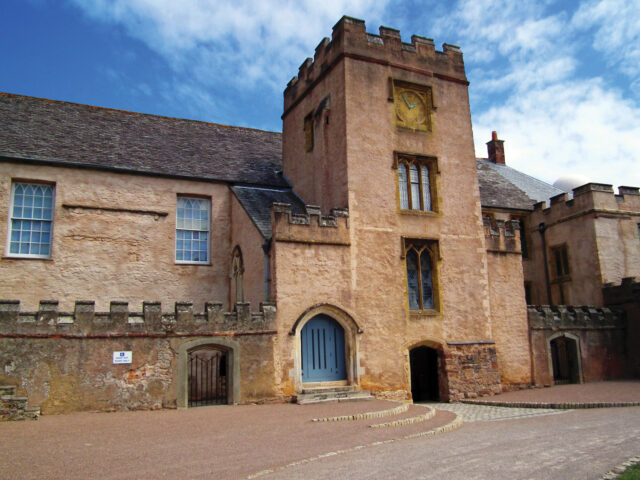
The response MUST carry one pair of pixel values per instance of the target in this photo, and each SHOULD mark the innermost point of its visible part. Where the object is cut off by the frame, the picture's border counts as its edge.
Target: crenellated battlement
(85, 322)
(501, 235)
(591, 197)
(310, 227)
(565, 317)
(351, 39)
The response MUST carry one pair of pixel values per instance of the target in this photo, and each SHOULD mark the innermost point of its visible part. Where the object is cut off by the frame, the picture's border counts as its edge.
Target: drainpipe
(266, 247)
(542, 228)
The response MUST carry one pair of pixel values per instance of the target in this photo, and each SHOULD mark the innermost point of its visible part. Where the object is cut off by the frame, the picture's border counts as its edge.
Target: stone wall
(625, 296)
(600, 335)
(120, 229)
(506, 296)
(472, 370)
(600, 232)
(62, 361)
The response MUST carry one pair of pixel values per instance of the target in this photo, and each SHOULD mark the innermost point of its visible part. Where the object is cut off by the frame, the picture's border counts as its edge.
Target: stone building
(156, 262)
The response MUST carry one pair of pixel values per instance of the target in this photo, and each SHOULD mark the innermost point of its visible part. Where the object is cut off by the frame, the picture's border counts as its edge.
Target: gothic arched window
(420, 258)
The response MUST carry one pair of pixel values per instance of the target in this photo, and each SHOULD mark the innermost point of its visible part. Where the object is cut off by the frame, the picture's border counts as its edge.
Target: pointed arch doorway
(322, 350)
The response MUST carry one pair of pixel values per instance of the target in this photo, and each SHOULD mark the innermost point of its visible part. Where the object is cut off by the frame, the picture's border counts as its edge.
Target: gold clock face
(411, 109)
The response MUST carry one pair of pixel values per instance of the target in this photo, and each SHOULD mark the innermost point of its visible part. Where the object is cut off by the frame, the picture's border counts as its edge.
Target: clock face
(411, 109)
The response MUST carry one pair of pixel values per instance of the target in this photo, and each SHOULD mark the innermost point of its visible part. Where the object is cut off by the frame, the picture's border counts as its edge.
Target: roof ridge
(131, 112)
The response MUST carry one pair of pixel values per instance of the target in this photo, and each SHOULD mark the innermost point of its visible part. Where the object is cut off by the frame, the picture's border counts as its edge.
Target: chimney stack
(495, 148)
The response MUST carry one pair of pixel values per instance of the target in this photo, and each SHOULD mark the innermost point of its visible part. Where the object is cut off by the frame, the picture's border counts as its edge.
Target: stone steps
(331, 394)
(15, 408)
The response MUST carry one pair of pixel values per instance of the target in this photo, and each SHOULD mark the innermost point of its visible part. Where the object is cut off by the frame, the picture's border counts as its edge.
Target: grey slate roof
(534, 189)
(505, 187)
(257, 202)
(35, 129)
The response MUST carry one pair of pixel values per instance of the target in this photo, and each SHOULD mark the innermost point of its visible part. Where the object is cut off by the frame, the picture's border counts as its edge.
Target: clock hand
(407, 101)
(411, 106)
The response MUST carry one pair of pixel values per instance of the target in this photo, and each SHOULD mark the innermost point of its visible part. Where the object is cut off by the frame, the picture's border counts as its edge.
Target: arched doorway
(322, 350)
(565, 360)
(207, 377)
(423, 363)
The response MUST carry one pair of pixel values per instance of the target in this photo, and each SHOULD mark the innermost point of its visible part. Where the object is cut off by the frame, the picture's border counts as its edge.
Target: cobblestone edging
(407, 421)
(365, 415)
(553, 405)
(454, 424)
(619, 470)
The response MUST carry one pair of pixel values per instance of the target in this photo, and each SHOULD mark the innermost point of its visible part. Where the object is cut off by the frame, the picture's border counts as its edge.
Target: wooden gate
(207, 377)
(322, 344)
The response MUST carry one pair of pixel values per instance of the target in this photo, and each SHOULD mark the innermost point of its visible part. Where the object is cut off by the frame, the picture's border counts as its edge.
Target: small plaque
(120, 358)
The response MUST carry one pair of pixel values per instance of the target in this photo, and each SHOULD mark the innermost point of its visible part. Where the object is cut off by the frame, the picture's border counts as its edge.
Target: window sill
(424, 313)
(18, 257)
(420, 213)
(193, 264)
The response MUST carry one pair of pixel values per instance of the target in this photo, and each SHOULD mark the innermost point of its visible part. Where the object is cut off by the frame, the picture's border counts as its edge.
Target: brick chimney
(495, 148)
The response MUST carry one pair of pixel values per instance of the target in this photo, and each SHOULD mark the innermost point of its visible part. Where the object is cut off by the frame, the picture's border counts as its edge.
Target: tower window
(416, 182)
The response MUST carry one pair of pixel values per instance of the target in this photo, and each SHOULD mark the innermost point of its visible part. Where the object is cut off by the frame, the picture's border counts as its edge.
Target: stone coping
(366, 415)
(430, 413)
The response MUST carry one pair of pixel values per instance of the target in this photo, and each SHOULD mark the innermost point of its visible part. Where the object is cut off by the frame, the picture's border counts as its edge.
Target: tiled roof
(257, 202)
(492, 178)
(35, 129)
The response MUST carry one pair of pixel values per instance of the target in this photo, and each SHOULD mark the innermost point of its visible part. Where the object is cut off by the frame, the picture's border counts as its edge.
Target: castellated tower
(382, 130)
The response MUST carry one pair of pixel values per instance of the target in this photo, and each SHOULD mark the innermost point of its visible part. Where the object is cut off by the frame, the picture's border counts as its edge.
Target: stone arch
(427, 370)
(573, 361)
(351, 331)
(232, 349)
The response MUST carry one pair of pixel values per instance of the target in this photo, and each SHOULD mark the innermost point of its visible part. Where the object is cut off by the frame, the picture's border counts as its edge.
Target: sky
(558, 80)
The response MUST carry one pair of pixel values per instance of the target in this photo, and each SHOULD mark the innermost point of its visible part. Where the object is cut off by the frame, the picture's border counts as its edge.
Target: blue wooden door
(323, 350)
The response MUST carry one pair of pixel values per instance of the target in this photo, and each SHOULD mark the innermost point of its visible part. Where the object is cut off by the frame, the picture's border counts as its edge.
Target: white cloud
(244, 41)
(524, 65)
(581, 127)
(617, 32)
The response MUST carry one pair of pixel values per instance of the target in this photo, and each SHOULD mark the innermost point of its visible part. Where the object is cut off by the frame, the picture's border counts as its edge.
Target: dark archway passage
(424, 374)
(564, 357)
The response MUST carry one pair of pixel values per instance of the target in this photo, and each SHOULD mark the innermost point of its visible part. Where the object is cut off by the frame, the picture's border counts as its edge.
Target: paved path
(482, 413)
(198, 443)
(237, 442)
(580, 444)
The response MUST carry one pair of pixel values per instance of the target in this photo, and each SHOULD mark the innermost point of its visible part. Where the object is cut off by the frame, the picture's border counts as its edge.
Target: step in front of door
(333, 396)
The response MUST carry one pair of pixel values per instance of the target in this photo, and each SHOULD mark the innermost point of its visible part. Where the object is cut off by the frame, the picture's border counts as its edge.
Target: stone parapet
(501, 235)
(588, 198)
(85, 322)
(350, 39)
(563, 317)
(310, 227)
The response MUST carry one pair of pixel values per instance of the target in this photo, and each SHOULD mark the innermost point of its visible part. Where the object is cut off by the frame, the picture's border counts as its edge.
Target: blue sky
(558, 80)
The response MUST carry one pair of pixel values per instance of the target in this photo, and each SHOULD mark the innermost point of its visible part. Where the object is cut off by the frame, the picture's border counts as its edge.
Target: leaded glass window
(420, 268)
(402, 182)
(31, 220)
(192, 230)
(415, 183)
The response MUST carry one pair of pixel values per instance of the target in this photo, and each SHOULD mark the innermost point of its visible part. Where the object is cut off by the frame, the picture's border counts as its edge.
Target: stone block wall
(472, 370)
(63, 361)
(600, 335)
